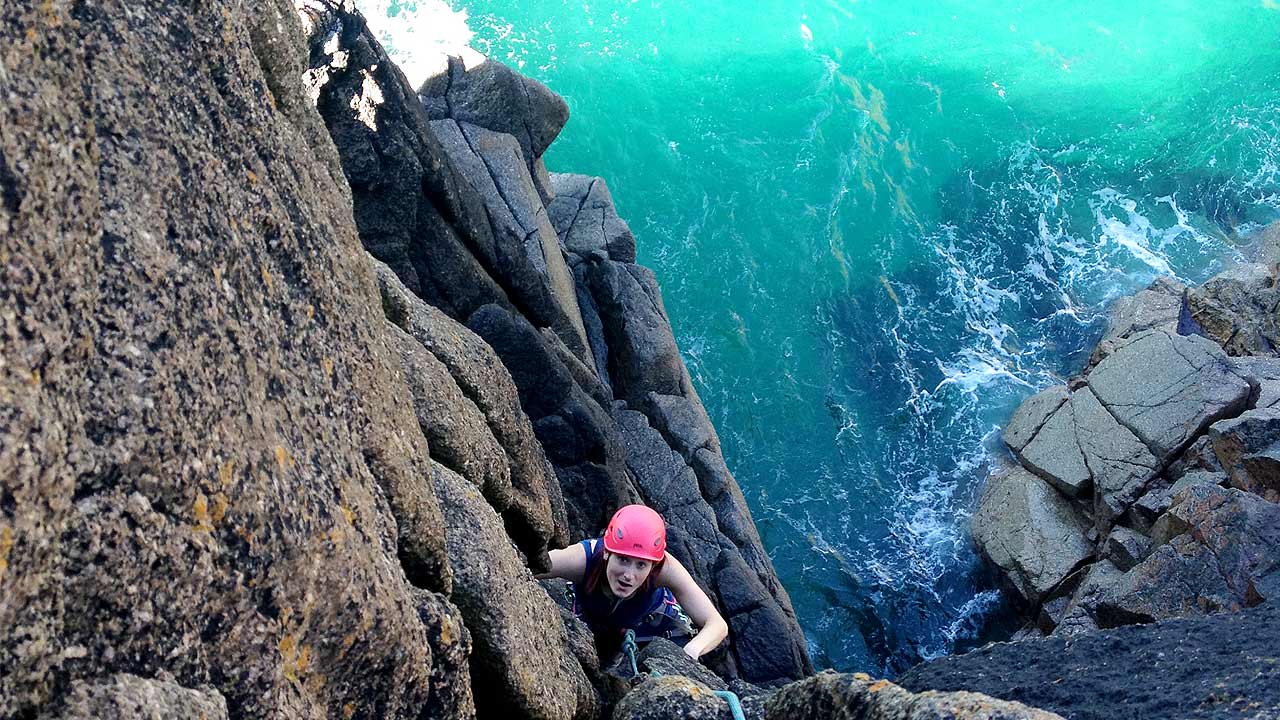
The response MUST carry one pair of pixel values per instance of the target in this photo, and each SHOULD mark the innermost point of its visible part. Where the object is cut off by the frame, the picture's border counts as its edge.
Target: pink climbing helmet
(637, 531)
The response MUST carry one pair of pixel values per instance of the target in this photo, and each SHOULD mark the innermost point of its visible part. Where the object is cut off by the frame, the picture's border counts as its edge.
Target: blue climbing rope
(735, 706)
(629, 648)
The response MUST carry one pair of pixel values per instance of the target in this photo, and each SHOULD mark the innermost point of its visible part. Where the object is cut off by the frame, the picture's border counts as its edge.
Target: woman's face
(626, 574)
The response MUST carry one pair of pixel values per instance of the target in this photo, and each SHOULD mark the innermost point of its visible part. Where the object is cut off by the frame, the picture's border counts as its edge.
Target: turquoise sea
(880, 225)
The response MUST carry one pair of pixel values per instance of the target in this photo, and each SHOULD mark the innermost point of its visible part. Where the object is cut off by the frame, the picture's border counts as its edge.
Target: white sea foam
(1134, 233)
(421, 35)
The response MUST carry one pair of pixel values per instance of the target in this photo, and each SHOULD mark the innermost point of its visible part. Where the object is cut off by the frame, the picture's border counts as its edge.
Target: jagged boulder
(522, 664)
(1079, 612)
(1125, 547)
(1236, 309)
(1248, 447)
(1198, 457)
(1030, 531)
(129, 697)
(411, 200)
(525, 255)
(1218, 549)
(536, 516)
(495, 97)
(833, 696)
(1073, 442)
(1158, 306)
(1042, 434)
(1156, 501)
(643, 356)
(586, 221)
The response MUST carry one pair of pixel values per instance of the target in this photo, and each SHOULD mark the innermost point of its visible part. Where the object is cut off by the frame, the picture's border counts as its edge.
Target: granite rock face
(1175, 439)
(522, 664)
(207, 464)
(450, 191)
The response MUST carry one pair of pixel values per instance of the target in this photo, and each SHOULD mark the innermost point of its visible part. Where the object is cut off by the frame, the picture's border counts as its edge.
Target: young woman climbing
(627, 580)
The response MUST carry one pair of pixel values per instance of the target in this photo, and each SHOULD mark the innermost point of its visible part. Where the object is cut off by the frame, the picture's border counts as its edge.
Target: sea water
(879, 226)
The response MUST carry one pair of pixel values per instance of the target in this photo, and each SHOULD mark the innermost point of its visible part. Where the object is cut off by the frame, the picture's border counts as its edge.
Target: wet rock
(832, 696)
(1223, 666)
(128, 697)
(1248, 447)
(1267, 250)
(1167, 389)
(522, 663)
(1030, 531)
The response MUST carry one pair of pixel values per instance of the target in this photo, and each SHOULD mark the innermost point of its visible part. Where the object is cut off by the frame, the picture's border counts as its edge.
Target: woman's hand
(569, 563)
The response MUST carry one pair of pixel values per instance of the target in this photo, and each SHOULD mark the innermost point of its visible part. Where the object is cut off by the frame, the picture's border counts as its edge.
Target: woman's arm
(569, 563)
(712, 627)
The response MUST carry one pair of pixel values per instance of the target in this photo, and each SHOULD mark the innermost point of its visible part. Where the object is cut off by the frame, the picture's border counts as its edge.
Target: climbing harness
(629, 649)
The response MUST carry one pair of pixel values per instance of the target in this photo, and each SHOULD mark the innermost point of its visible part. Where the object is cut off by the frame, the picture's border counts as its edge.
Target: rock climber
(627, 580)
